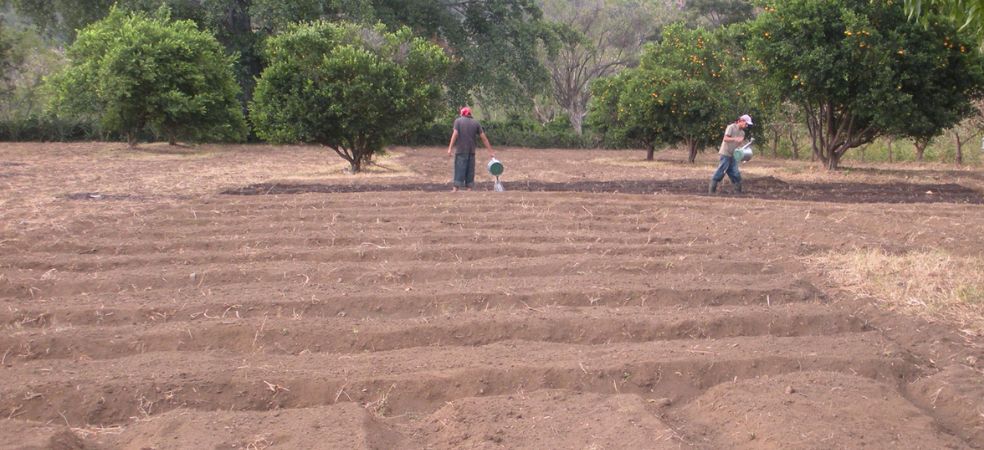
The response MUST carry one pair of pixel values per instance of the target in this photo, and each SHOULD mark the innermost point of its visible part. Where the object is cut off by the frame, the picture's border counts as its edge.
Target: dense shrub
(350, 88)
(135, 74)
(46, 129)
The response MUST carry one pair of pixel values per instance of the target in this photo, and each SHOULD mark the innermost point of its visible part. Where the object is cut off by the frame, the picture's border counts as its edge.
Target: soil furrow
(399, 382)
(394, 252)
(52, 283)
(295, 336)
(126, 245)
(423, 300)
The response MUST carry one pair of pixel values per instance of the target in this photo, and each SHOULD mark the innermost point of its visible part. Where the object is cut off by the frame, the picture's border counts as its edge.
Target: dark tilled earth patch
(764, 188)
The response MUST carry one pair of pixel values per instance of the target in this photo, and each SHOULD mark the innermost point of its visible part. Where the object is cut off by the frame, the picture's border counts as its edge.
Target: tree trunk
(891, 151)
(775, 143)
(829, 156)
(355, 165)
(693, 151)
(577, 120)
(793, 143)
(650, 151)
(131, 139)
(921, 145)
(959, 156)
(351, 155)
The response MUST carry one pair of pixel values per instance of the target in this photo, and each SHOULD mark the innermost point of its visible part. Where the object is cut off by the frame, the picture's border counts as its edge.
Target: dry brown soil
(257, 297)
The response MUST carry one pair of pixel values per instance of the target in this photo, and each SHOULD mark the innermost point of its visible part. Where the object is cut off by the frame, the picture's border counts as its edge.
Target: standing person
(463, 142)
(734, 135)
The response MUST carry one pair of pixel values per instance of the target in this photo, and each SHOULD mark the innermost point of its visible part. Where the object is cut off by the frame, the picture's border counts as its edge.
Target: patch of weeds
(971, 295)
(931, 284)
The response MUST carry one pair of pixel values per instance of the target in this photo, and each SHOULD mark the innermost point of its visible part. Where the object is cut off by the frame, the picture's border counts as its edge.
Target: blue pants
(730, 166)
(464, 170)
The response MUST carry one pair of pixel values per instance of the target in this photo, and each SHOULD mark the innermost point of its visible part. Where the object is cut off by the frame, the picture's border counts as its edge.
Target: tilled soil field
(149, 301)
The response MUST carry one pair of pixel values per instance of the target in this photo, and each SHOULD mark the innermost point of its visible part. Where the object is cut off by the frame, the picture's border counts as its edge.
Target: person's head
(466, 112)
(744, 121)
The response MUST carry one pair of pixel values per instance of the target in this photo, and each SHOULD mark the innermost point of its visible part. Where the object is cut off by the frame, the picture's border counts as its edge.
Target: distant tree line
(851, 71)
(356, 75)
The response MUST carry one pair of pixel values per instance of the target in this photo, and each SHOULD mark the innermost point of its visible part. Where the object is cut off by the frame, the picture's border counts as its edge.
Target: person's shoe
(738, 187)
(713, 187)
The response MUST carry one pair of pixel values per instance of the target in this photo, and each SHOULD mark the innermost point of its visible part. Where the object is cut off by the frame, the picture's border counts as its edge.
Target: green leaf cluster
(137, 73)
(717, 13)
(682, 92)
(494, 43)
(859, 69)
(968, 15)
(7, 56)
(349, 87)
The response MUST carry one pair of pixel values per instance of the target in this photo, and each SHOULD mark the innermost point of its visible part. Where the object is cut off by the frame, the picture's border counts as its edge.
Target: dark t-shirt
(468, 131)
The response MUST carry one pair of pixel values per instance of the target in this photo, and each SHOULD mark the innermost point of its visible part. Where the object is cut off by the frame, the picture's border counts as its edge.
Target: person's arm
(730, 138)
(485, 140)
(454, 137)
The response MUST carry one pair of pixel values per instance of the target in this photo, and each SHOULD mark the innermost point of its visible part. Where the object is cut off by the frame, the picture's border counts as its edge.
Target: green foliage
(679, 94)
(717, 13)
(936, 99)
(494, 44)
(589, 40)
(61, 18)
(46, 128)
(968, 15)
(26, 61)
(351, 88)
(859, 70)
(7, 62)
(905, 151)
(603, 111)
(510, 133)
(273, 16)
(135, 73)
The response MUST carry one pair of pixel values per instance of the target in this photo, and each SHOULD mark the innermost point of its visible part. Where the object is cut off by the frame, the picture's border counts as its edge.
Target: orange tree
(137, 73)
(968, 14)
(682, 93)
(859, 70)
(347, 87)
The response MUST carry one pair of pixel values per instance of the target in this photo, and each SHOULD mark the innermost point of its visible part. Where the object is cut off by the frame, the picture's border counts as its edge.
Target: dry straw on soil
(38, 179)
(931, 284)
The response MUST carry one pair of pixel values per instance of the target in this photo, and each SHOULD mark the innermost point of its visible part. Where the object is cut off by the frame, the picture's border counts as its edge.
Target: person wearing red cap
(462, 147)
(734, 135)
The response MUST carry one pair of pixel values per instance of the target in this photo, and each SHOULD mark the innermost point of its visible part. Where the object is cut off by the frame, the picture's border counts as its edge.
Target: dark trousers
(464, 169)
(728, 166)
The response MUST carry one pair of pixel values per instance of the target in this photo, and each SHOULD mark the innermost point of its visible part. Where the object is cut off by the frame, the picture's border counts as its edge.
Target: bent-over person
(734, 135)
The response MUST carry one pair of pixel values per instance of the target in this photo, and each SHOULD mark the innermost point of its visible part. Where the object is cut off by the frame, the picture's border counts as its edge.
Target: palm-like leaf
(967, 14)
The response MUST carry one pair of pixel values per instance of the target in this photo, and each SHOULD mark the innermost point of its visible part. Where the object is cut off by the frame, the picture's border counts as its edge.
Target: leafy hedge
(46, 129)
(510, 133)
(526, 134)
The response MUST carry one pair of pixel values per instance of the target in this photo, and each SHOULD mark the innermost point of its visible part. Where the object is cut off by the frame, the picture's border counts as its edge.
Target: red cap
(466, 111)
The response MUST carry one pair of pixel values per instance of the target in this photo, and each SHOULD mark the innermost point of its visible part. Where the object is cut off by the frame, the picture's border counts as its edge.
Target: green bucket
(495, 167)
(744, 153)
